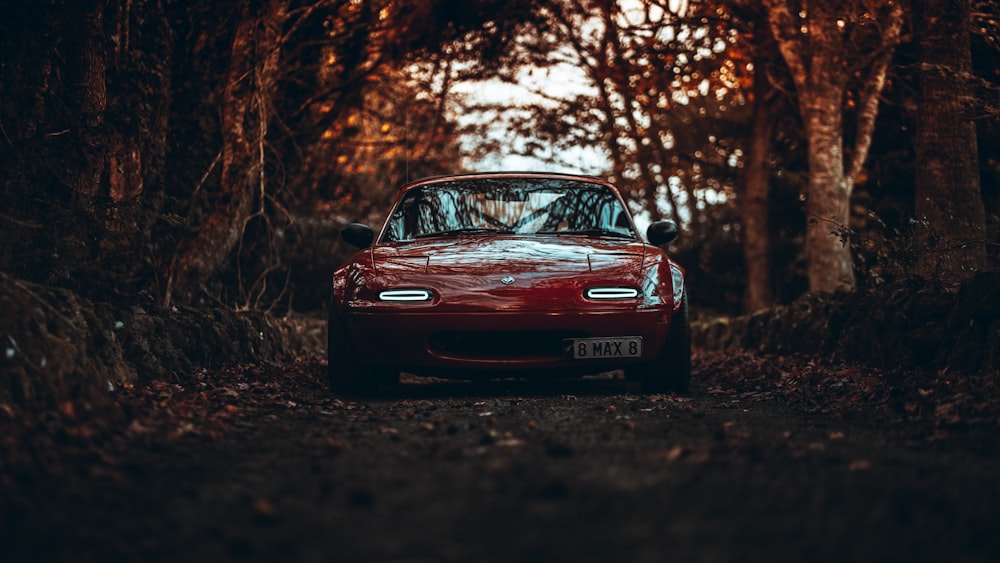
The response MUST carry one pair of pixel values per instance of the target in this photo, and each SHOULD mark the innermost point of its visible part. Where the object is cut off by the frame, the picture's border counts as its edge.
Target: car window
(520, 206)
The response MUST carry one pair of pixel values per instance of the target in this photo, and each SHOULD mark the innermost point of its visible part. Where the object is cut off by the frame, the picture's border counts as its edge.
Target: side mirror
(357, 235)
(661, 232)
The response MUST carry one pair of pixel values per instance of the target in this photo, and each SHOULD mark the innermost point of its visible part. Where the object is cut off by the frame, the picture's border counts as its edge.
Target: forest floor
(766, 459)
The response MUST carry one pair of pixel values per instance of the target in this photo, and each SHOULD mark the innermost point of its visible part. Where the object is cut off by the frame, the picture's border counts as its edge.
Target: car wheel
(346, 374)
(672, 370)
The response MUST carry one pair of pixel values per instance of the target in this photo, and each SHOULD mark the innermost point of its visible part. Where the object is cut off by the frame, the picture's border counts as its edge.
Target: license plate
(604, 347)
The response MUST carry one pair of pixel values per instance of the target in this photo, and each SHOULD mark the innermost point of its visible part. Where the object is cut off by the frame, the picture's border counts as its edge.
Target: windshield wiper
(465, 231)
(589, 232)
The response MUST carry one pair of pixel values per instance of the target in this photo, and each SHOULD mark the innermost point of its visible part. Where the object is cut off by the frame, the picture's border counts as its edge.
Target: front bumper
(471, 344)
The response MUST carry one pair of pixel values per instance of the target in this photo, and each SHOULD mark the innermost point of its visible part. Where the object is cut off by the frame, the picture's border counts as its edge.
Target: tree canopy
(173, 152)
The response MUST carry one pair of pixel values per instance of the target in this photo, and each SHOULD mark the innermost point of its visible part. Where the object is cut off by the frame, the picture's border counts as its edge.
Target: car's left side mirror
(661, 232)
(357, 235)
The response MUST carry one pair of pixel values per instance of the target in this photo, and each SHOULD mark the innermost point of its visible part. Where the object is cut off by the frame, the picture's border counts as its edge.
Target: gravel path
(263, 464)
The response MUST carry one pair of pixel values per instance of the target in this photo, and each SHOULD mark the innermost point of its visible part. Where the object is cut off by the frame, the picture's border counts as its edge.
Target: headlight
(677, 277)
(605, 293)
(404, 295)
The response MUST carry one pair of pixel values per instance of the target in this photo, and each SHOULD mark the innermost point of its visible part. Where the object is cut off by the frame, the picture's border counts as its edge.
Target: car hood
(510, 255)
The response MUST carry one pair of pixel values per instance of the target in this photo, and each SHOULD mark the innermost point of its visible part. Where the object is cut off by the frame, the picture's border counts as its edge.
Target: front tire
(671, 371)
(345, 373)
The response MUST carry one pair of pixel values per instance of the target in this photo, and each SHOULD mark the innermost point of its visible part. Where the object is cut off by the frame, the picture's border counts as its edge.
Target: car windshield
(521, 206)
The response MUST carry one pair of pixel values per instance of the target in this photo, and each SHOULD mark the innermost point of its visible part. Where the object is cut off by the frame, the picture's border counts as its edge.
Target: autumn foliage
(171, 154)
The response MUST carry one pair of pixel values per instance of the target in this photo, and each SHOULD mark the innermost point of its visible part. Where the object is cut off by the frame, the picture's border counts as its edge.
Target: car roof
(506, 174)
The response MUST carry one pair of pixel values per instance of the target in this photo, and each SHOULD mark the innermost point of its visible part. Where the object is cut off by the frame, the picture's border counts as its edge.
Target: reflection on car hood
(478, 255)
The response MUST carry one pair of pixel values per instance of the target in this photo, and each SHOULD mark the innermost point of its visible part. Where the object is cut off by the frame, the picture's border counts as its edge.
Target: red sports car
(509, 275)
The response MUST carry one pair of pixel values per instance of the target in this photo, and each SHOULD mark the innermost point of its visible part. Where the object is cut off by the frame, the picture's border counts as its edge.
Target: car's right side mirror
(661, 232)
(357, 235)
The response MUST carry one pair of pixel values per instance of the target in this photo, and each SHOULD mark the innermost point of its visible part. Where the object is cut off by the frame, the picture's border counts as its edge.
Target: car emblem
(507, 280)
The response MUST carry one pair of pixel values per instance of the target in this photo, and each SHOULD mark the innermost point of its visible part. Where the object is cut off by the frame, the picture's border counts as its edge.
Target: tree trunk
(814, 38)
(814, 60)
(250, 85)
(754, 208)
(951, 222)
(90, 97)
(828, 197)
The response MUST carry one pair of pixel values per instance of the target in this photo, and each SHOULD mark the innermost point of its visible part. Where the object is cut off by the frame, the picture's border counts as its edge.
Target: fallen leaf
(674, 453)
(263, 508)
(511, 443)
(939, 435)
(338, 445)
(700, 456)
(859, 465)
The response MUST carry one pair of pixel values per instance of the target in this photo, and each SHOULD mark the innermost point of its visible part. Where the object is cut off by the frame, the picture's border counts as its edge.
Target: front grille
(498, 344)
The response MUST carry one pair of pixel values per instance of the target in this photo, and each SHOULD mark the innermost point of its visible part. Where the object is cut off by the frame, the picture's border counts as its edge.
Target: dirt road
(263, 464)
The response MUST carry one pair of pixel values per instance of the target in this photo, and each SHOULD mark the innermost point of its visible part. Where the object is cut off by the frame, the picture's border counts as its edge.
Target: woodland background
(165, 155)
